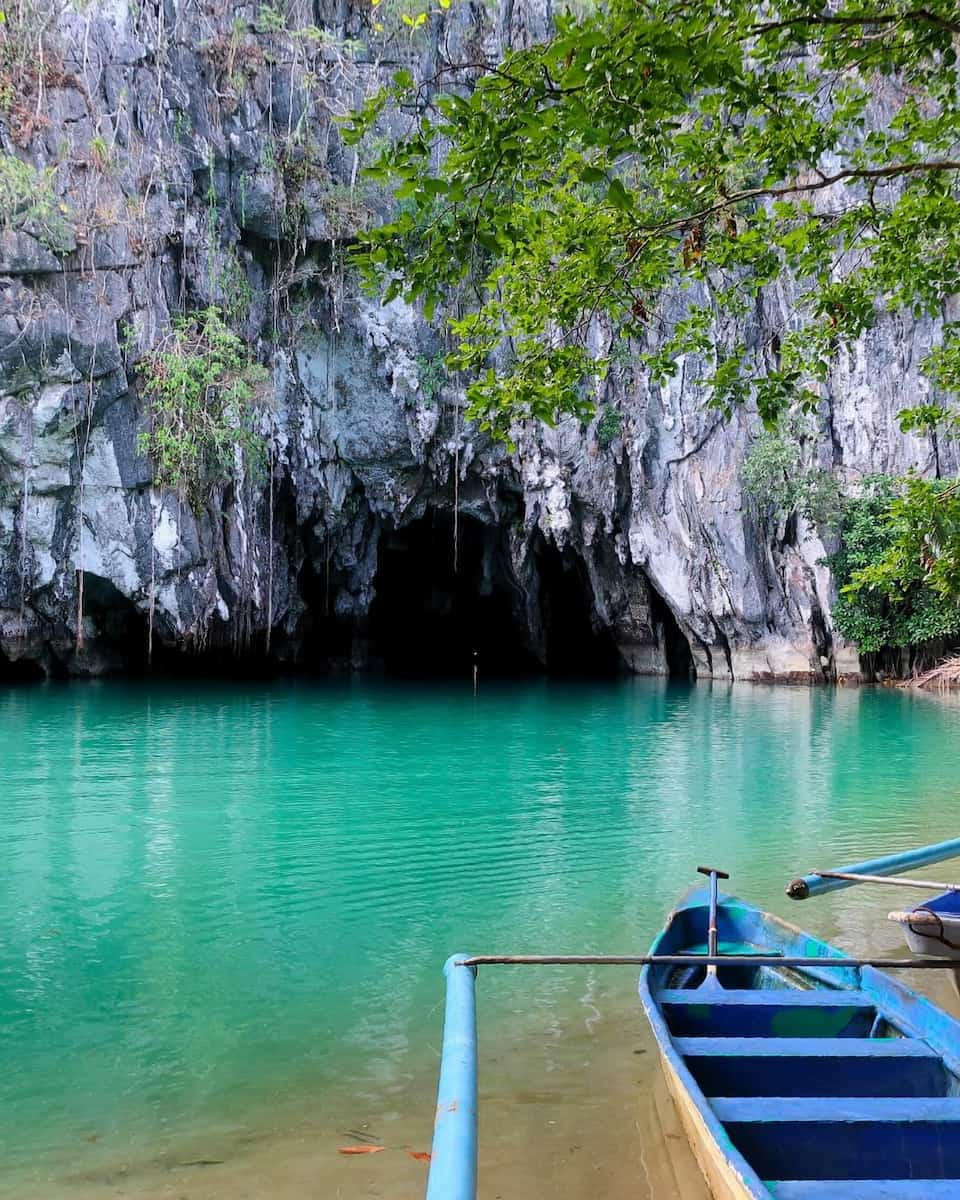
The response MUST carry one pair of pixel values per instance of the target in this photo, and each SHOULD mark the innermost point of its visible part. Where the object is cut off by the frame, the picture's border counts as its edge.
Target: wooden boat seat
(814, 1066)
(826, 1138)
(780, 1012)
(781, 997)
(741, 1109)
(864, 1189)
(899, 1047)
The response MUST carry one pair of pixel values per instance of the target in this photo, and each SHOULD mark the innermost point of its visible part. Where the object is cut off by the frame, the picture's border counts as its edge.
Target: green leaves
(618, 196)
(653, 169)
(203, 390)
(776, 477)
(29, 201)
(898, 566)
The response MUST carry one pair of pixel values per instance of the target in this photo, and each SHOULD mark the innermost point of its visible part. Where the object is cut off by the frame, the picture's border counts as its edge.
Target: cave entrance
(573, 644)
(431, 614)
(679, 658)
(19, 670)
(118, 643)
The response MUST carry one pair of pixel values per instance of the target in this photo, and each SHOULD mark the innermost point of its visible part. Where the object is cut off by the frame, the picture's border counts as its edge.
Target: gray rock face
(196, 161)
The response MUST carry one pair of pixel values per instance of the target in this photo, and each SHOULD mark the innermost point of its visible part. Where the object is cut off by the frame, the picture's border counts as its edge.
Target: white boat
(933, 928)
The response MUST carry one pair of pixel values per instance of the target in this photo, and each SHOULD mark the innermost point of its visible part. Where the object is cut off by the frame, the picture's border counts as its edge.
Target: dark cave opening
(115, 616)
(326, 638)
(680, 664)
(19, 670)
(574, 646)
(120, 641)
(434, 616)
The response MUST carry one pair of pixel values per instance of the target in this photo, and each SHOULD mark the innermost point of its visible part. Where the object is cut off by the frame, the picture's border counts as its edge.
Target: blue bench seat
(774, 1012)
(813, 1066)
(829, 1138)
(864, 1189)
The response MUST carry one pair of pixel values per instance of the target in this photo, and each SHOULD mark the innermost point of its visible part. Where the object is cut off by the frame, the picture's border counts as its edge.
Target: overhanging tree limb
(568, 173)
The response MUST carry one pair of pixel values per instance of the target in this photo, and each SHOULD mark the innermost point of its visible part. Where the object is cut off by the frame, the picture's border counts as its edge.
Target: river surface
(225, 909)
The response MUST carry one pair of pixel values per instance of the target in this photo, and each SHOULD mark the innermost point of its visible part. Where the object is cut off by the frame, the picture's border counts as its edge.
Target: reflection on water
(225, 910)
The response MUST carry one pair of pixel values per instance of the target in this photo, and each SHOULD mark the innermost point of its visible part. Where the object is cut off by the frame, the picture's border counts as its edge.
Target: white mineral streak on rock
(166, 537)
(395, 331)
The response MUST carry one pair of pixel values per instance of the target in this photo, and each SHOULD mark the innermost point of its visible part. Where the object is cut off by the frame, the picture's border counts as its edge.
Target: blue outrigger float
(798, 1072)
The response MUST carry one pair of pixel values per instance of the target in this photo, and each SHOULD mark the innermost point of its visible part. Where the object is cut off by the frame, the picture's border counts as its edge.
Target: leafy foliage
(231, 282)
(29, 202)
(608, 427)
(433, 377)
(658, 165)
(943, 367)
(898, 566)
(204, 390)
(775, 476)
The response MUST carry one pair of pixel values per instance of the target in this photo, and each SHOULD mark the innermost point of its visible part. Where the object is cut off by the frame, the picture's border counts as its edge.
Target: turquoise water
(225, 908)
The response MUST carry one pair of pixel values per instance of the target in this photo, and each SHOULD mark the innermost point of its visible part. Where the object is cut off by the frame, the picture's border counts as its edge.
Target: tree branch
(919, 14)
(893, 170)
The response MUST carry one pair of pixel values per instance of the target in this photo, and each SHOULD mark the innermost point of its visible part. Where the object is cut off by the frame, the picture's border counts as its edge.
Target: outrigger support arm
(818, 882)
(925, 885)
(701, 960)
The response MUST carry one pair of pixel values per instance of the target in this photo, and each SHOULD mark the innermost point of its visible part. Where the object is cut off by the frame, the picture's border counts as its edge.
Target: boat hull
(933, 947)
(933, 928)
(720, 1175)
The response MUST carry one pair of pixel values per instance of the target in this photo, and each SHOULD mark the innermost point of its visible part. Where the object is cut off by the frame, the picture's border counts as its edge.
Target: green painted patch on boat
(810, 1022)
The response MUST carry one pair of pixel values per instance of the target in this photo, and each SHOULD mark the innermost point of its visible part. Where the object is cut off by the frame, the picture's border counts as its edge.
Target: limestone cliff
(187, 154)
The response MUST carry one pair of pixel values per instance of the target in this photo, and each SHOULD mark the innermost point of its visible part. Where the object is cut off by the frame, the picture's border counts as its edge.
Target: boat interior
(831, 1082)
(946, 905)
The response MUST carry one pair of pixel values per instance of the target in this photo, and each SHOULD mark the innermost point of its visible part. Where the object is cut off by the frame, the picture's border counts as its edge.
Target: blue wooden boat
(802, 1082)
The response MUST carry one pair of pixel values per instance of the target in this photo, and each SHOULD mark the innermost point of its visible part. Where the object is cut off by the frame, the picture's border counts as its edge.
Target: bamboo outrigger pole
(699, 960)
(818, 882)
(925, 885)
(453, 1166)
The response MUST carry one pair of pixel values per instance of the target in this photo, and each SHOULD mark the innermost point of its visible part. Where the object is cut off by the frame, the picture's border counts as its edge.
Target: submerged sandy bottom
(576, 1116)
(579, 1115)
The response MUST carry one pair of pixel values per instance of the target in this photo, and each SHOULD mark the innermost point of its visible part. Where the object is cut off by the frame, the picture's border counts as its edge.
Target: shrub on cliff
(203, 389)
(29, 202)
(898, 566)
(781, 483)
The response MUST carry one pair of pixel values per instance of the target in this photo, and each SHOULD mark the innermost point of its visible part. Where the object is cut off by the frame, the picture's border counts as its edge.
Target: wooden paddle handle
(713, 871)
